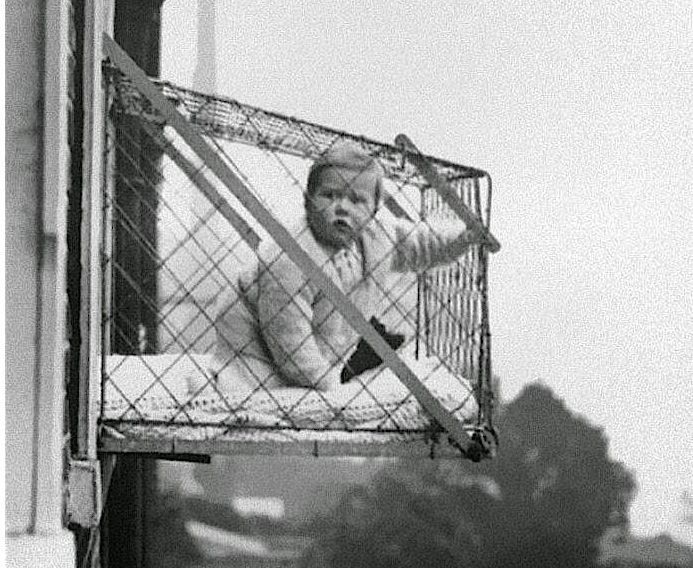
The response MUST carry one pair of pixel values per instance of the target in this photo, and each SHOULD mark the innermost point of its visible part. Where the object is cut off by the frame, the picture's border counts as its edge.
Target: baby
(278, 328)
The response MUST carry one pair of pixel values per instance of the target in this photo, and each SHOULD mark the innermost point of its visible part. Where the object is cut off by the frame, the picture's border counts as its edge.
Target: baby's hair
(347, 156)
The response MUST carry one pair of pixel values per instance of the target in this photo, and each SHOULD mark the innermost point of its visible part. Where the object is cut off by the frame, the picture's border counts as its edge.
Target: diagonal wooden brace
(294, 251)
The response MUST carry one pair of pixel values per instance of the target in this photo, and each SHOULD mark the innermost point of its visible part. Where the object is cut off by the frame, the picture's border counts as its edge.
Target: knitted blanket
(155, 389)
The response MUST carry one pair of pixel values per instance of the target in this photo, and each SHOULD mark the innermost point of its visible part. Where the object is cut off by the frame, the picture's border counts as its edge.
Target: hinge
(84, 493)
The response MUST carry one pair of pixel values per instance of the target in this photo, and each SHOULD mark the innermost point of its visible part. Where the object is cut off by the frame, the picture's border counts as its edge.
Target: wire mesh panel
(219, 338)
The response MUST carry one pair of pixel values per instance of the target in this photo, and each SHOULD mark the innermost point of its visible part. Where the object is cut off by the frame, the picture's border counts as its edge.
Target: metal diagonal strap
(448, 194)
(294, 251)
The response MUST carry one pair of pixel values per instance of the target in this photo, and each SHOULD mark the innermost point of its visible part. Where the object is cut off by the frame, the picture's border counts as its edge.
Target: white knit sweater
(278, 318)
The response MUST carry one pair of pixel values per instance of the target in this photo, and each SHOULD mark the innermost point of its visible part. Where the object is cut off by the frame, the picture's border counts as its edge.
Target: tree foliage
(560, 490)
(545, 500)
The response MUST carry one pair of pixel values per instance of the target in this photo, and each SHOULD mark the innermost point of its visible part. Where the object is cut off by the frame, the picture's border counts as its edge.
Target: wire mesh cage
(219, 337)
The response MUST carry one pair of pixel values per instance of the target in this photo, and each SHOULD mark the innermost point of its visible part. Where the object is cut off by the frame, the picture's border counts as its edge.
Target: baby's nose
(340, 205)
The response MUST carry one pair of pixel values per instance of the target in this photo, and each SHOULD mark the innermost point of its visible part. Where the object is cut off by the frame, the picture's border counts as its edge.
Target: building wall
(23, 187)
(34, 284)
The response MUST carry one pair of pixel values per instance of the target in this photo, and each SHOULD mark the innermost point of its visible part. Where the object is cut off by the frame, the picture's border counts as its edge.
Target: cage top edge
(383, 149)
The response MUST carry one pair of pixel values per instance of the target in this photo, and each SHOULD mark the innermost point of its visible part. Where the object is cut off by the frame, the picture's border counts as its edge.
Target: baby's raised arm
(420, 247)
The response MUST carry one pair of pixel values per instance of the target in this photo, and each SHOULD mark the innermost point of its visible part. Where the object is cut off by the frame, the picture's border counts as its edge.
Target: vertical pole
(87, 22)
(74, 219)
(205, 77)
(91, 228)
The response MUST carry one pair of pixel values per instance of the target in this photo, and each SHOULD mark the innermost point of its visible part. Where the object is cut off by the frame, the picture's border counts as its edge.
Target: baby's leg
(242, 376)
(200, 381)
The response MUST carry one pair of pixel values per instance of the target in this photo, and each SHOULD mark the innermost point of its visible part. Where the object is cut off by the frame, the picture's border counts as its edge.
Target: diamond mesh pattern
(174, 268)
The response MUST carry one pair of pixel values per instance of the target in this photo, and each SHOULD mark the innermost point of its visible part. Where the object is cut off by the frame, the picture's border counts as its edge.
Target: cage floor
(148, 407)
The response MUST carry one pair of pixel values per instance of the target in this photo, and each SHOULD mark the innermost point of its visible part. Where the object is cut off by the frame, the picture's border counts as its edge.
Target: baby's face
(341, 205)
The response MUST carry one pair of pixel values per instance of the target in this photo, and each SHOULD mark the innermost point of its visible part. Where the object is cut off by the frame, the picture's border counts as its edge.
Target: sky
(581, 114)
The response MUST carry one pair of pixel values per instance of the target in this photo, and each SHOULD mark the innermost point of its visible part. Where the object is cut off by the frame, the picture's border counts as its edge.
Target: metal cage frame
(196, 115)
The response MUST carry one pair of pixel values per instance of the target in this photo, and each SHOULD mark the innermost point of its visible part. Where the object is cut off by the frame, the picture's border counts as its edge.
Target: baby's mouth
(341, 225)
